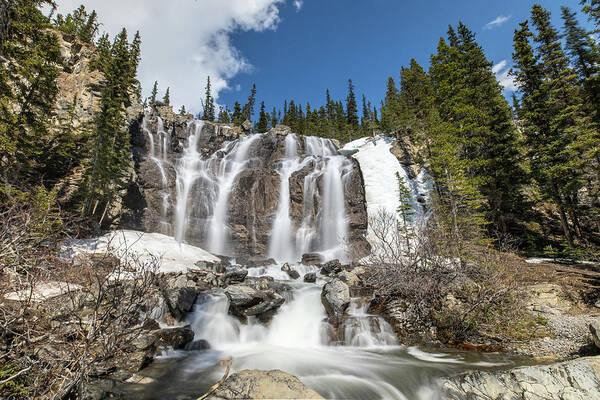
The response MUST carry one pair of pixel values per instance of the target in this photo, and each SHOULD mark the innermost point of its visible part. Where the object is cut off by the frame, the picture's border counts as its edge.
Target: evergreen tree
(248, 110)
(263, 120)
(390, 109)
(224, 115)
(154, 93)
(209, 103)
(167, 98)
(274, 119)
(182, 110)
(79, 23)
(28, 90)
(237, 117)
(592, 9)
(351, 107)
(106, 173)
(405, 211)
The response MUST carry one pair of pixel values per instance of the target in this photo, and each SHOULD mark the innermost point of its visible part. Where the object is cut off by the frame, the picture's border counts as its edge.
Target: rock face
(336, 299)
(256, 384)
(595, 331)
(159, 141)
(576, 379)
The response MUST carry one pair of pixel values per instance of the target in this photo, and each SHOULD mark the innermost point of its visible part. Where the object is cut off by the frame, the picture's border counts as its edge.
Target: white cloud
(502, 72)
(184, 41)
(499, 21)
(298, 4)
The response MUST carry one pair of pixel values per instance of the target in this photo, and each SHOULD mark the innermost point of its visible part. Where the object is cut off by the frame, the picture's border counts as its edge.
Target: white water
(379, 168)
(324, 226)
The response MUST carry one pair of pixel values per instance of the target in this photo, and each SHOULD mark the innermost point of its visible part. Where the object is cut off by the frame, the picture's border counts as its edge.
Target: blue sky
(326, 42)
(298, 48)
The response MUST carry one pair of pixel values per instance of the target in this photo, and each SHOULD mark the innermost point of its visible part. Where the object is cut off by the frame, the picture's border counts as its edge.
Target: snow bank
(43, 291)
(379, 168)
(144, 247)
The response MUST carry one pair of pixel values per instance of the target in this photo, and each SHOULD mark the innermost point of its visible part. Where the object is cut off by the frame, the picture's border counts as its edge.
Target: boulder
(595, 331)
(242, 296)
(200, 344)
(247, 126)
(256, 384)
(310, 277)
(265, 309)
(176, 338)
(235, 274)
(180, 301)
(575, 379)
(292, 273)
(349, 277)
(311, 258)
(335, 297)
(331, 267)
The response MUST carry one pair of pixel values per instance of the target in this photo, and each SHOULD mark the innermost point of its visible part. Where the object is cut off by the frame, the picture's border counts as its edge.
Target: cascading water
(325, 229)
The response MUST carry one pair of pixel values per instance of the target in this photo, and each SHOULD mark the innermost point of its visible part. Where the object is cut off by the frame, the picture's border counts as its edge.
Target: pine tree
(167, 98)
(592, 9)
(154, 93)
(274, 120)
(224, 115)
(406, 212)
(351, 108)
(27, 91)
(263, 120)
(237, 117)
(248, 109)
(390, 109)
(106, 174)
(79, 23)
(208, 103)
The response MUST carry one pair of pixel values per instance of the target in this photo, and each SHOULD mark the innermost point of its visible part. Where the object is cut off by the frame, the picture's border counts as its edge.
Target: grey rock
(242, 296)
(180, 301)
(577, 379)
(311, 259)
(247, 126)
(310, 277)
(235, 274)
(176, 338)
(256, 384)
(292, 273)
(200, 344)
(331, 267)
(595, 331)
(335, 297)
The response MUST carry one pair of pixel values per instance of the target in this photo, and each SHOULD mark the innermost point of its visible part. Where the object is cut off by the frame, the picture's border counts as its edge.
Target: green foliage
(107, 170)
(79, 23)
(263, 121)
(167, 98)
(154, 92)
(208, 103)
(15, 388)
(406, 211)
(248, 109)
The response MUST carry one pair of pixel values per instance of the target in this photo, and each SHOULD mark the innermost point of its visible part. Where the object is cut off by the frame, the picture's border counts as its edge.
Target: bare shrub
(51, 344)
(464, 290)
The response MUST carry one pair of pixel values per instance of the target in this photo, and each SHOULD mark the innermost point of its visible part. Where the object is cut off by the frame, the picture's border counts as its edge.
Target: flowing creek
(367, 363)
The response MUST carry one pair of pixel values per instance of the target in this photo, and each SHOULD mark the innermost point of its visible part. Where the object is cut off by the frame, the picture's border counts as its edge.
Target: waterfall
(325, 229)
(230, 166)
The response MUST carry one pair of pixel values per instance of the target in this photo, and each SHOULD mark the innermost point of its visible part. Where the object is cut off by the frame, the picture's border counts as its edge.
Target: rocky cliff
(160, 140)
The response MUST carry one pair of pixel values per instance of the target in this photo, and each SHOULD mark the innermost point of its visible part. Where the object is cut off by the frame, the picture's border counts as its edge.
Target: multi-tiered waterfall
(212, 191)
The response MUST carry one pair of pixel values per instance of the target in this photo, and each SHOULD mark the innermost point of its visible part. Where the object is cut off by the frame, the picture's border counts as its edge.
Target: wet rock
(310, 277)
(311, 258)
(292, 273)
(144, 342)
(575, 379)
(235, 274)
(180, 301)
(331, 267)
(349, 277)
(256, 384)
(200, 344)
(176, 338)
(595, 331)
(335, 297)
(252, 262)
(265, 310)
(150, 324)
(242, 296)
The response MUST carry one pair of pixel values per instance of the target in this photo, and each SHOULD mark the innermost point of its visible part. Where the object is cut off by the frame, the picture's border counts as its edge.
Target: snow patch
(42, 291)
(142, 247)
